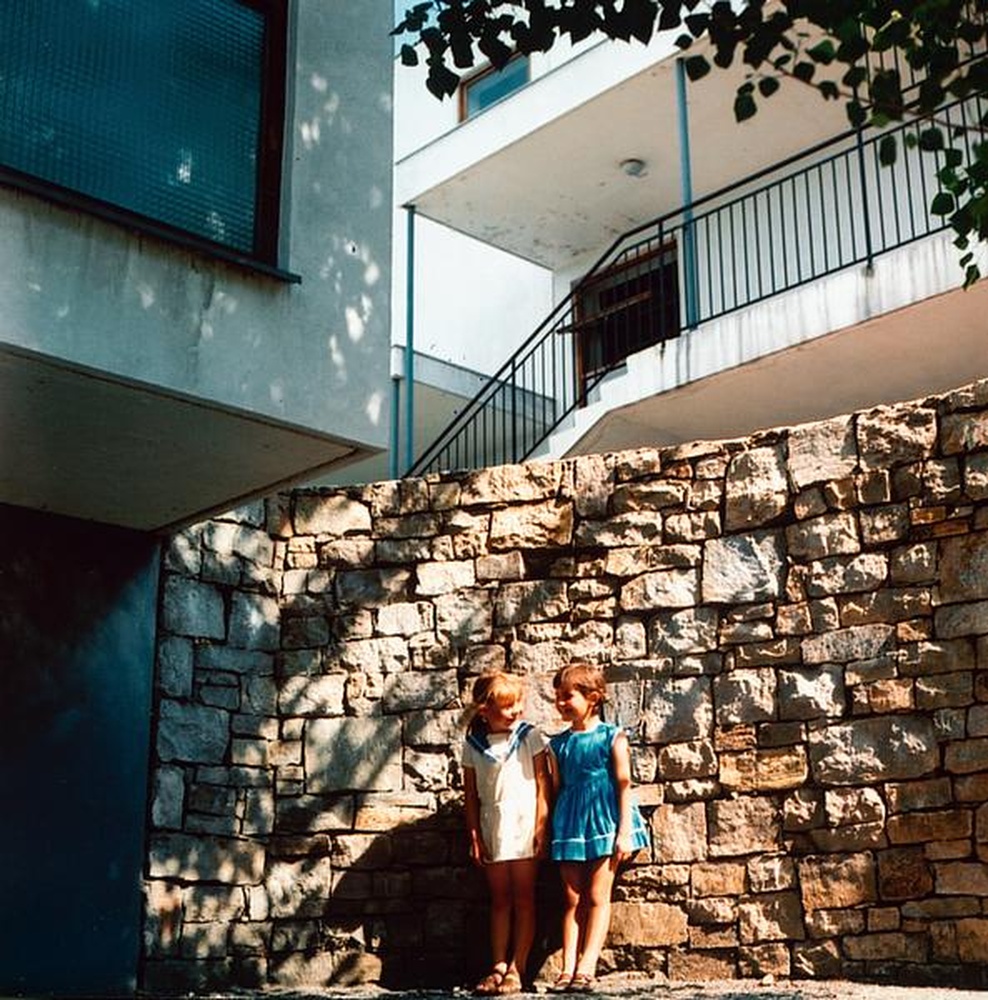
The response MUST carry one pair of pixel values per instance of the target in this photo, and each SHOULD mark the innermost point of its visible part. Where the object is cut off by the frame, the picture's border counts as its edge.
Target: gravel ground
(637, 989)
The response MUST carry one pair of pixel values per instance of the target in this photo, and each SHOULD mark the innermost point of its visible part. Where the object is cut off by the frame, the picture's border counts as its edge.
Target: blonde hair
(585, 678)
(496, 687)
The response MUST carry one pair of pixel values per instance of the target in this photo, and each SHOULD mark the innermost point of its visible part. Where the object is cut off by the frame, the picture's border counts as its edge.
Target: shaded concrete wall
(793, 626)
(77, 619)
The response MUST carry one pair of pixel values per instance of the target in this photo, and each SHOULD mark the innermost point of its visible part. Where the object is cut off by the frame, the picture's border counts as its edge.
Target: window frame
(264, 258)
(487, 71)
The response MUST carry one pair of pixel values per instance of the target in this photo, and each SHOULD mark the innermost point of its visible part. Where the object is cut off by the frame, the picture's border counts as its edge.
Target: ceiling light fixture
(634, 167)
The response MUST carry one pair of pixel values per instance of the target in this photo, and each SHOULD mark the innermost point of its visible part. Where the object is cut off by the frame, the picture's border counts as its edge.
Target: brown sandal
(562, 984)
(510, 983)
(490, 985)
(583, 982)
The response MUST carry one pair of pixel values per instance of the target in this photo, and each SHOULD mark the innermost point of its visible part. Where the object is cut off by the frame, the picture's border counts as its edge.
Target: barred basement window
(150, 111)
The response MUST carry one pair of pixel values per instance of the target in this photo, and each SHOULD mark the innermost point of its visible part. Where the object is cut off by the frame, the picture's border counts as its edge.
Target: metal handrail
(744, 243)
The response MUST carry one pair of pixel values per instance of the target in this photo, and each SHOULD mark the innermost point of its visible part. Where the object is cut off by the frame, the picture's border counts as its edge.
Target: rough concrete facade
(795, 631)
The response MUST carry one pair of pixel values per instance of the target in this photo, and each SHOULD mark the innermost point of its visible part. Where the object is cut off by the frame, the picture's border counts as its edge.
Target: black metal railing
(829, 208)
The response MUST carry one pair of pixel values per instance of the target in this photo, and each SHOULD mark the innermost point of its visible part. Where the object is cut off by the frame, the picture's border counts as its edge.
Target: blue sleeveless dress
(585, 816)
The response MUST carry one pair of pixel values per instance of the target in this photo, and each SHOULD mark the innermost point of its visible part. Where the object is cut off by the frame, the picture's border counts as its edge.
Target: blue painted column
(690, 292)
(410, 340)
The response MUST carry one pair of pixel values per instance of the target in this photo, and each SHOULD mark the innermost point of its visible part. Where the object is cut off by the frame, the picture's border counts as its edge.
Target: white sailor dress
(504, 765)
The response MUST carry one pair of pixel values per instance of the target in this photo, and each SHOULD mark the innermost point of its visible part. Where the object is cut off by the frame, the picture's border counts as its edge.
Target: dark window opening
(148, 110)
(627, 308)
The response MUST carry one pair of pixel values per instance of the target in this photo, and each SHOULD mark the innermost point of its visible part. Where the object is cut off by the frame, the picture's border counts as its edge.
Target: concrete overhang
(80, 443)
(539, 174)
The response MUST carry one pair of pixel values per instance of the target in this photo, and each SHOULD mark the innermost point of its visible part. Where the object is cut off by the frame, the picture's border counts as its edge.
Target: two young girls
(595, 824)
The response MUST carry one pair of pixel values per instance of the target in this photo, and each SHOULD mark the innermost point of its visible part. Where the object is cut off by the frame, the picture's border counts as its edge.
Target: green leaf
(744, 107)
(409, 57)
(696, 67)
(828, 90)
(931, 139)
(768, 85)
(804, 71)
(942, 204)
(823, 52)
(888, 150)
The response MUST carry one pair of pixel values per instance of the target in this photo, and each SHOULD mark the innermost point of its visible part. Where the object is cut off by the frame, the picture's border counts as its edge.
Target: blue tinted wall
(77, 623)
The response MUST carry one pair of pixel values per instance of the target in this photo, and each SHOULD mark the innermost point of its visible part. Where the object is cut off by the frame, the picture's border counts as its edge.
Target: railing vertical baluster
(838, 218)
(865, 201)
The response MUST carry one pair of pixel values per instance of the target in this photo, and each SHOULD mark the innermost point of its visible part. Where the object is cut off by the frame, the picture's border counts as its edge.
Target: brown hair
(585, 678)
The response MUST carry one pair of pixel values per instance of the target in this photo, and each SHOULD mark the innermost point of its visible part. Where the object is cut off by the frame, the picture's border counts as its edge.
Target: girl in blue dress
(595, 822)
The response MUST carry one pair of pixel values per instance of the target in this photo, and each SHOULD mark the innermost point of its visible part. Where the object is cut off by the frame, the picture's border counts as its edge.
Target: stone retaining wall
(795, 632)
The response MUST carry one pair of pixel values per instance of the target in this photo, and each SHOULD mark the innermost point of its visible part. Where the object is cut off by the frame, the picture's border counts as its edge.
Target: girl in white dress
(506, 786)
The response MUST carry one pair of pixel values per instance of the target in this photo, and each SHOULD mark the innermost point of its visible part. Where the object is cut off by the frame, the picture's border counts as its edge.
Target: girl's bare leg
(499, 883)
(573, 876)
(599, 883)
(523, 875)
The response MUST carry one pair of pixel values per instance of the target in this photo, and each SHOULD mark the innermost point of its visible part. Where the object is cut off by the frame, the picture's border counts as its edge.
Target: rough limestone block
(195, 734)
(405, 618)
(674, 588)
(743, 825)
(835, 882)
(904, 873)
(680, 761)
(741, 569)
(536, 600)
(860, 642)
(889, 435)
(534, 526)
(255, 622)
(850, 806)
(444, 577)
(411, 691)
(811, 693)
(466, 617)
(692, 630)
(822, 451)
(771, 873)
(299, 889)
(312, 696)
(175, 667)
(863, 752)
(679, 833)
(649, 924)
(745, 696)
(757, 488)
(359, 754)
(168, 798)
(635, 528)
(329, 514)
(771, 917)
(678, 709)
(191, 608)
(964, 568)
(372, 588)
(227, 538)
(847, 574)
(511, 483)
(383, 655)
(206, 859)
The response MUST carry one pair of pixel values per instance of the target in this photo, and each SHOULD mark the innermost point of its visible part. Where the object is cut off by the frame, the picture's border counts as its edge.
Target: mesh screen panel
(150, 105)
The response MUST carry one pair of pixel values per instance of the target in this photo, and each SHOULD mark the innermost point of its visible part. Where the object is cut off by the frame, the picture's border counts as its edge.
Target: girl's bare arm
(543, 795)
(471, 803)
(621, 756)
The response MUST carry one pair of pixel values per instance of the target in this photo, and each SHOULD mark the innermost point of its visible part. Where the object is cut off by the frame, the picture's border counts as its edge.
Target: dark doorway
(624, 309)
(77, 625)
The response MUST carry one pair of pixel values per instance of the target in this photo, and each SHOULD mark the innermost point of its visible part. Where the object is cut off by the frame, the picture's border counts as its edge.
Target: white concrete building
(774, 272)
(195, 203)
(195, 254)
